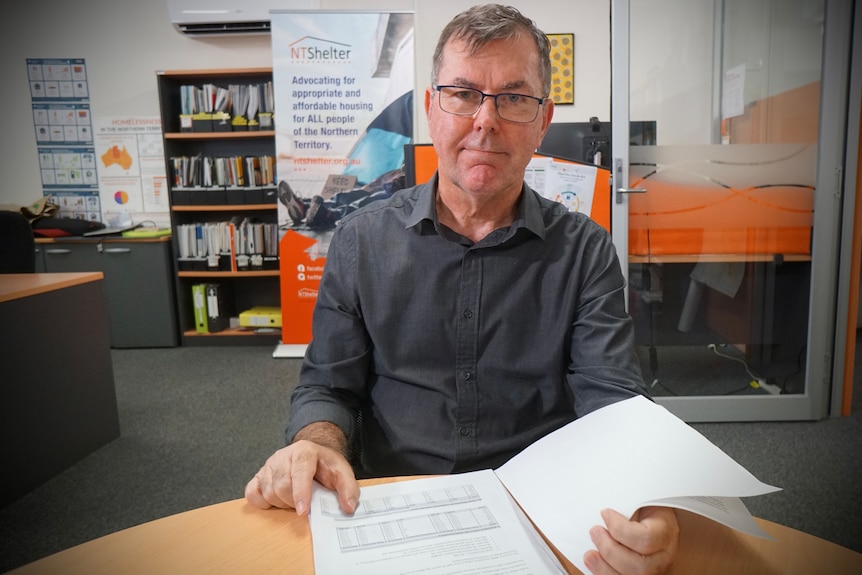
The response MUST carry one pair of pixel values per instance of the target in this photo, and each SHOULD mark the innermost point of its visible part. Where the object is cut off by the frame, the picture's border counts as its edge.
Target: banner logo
(307, 293)
(310, 49)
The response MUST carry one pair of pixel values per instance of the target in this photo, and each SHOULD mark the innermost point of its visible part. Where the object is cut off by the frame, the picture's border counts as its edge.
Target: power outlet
(770, 387)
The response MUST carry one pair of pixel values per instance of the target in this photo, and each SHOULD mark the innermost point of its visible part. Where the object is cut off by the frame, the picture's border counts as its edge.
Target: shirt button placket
(467, 338)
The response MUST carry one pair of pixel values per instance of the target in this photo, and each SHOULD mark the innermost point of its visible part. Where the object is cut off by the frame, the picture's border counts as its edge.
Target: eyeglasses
(462, 101)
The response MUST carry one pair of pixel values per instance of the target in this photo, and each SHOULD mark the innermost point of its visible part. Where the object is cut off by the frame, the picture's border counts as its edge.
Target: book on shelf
(246, 245)
(236, 107)
(224, 171)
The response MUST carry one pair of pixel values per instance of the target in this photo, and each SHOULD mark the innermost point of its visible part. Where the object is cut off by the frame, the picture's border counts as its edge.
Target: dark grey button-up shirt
(458, 354)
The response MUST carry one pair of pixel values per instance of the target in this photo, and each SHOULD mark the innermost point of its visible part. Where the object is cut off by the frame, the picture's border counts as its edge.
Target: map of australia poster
(131, 169)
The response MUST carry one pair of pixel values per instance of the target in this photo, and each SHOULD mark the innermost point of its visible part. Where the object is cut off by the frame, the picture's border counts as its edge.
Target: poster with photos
(62, 120)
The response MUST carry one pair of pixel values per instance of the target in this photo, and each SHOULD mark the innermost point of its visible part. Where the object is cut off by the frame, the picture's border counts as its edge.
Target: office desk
(233, 537)
(58, 398)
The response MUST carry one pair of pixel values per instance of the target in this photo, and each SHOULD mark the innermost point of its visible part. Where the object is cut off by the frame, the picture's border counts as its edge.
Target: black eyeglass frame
(541, 101)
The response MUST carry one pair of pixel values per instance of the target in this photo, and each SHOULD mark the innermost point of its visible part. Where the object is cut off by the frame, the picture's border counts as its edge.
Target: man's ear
(547, 115)
(428, 95)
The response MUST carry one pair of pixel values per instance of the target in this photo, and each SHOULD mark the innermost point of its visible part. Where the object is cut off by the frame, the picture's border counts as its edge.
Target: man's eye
(465, 95)
(514, 99)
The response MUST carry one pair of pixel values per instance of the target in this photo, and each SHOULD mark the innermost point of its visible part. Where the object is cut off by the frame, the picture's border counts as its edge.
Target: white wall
(671, 68)
(124, 43)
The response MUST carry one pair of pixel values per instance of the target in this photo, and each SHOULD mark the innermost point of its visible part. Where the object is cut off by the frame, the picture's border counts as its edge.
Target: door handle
(118, 250)
(57, 251)
(618, 175)
(621, 191)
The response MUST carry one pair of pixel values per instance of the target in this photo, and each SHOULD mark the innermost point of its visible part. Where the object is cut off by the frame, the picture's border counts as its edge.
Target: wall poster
(343, 84)
(60, 98)
(131, 160)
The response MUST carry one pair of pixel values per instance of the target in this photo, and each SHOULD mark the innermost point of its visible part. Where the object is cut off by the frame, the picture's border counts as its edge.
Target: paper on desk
(465, 524)
(625, 456)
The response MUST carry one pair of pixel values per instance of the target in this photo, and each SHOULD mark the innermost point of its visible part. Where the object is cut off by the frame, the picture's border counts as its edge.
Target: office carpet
(198, 422)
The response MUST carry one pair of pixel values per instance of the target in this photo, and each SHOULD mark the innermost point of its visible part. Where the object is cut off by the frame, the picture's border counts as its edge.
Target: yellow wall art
(562, 68)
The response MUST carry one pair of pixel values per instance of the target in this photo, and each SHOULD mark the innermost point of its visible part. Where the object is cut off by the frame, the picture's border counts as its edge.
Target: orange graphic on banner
(300, 280)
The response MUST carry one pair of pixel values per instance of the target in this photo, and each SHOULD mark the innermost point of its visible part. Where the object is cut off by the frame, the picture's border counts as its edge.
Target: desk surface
(714, 258)
(15, 286)
(233, 537)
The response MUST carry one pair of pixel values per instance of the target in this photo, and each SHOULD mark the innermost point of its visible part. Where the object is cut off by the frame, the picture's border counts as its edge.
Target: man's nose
(486, 110)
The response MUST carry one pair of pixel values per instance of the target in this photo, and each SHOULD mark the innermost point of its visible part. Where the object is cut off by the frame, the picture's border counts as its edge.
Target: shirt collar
(529, 211)
(425, 208)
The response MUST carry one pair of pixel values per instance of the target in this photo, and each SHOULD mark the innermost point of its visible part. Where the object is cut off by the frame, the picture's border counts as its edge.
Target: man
(463, 319)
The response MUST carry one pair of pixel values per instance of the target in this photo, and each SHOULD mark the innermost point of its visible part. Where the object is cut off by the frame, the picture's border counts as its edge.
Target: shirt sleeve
(334, 372)
(603, 365)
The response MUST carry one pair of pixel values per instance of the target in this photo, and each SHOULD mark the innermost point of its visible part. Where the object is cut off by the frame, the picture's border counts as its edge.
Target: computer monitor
(582, 141)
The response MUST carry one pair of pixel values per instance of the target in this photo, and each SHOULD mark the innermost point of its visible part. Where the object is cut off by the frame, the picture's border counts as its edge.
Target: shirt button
(464, 431)
(468, 313)
(467, 375)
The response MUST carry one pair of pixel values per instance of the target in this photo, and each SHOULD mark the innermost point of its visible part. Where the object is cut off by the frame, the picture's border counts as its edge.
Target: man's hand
(646, 545)
(286, 477)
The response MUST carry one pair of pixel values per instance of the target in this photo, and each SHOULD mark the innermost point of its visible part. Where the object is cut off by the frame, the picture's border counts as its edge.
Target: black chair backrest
(17, 244)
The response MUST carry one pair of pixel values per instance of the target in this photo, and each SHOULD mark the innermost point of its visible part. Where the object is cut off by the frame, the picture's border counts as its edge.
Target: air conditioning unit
(223, 17)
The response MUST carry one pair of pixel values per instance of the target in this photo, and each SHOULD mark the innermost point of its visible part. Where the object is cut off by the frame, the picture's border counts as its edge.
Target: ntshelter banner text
(343, 85)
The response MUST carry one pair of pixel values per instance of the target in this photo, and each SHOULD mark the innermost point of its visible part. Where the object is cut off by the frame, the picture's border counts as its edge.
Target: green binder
(199, 302)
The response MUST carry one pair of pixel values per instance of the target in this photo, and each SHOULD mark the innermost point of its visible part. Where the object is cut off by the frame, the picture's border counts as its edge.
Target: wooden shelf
(249, 274)
(241, 290)
(209, 73)
(225, 208)
(238, 331)
(709, 258)
(243, 135)
(233, 336)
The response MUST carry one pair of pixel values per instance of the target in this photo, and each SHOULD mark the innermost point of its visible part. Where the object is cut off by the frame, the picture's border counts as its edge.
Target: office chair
(17, 245)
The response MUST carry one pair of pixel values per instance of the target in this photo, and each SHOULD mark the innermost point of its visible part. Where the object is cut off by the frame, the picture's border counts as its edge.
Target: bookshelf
(221, 176)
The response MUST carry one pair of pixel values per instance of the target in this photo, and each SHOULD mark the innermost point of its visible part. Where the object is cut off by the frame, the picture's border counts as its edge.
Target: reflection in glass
(719, 253)
(720, 242)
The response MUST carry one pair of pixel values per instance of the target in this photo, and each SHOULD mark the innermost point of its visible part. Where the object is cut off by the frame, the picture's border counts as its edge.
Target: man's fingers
(274, 488)
(646, 544)
(254, 495)
(652, 530)
(613, 558)
(287, 477)
(302, 472)
(348, 491)
(336, 474)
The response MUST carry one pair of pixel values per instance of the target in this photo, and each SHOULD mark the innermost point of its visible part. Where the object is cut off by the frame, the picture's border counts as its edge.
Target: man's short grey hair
(480, 25)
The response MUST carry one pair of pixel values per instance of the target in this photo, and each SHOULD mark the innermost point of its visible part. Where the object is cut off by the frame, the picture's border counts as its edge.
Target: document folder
(217, 315)
(199, 303)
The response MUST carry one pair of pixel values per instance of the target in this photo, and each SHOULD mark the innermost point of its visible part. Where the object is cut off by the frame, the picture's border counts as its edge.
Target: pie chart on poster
(121, 197)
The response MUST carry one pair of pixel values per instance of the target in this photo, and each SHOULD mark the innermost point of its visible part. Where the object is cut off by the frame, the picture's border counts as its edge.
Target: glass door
(714, 203)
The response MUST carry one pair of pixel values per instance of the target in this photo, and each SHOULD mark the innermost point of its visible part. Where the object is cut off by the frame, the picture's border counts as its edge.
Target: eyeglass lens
(466, 101)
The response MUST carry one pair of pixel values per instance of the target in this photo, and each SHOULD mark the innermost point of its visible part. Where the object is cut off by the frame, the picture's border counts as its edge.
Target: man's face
(483, 154)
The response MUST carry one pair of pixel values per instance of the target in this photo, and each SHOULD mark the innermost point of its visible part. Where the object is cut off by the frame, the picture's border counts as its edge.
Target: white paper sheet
(625, 456)
(463, 524)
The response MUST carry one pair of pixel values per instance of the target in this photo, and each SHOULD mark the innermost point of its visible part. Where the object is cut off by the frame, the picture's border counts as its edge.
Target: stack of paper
(625, 456)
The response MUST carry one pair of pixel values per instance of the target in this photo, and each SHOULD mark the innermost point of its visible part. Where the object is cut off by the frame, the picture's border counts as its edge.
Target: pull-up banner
(343, 85)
